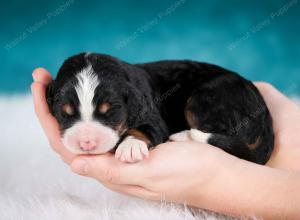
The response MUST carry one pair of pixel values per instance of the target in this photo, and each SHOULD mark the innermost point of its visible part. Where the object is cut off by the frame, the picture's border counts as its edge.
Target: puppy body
(103, 104)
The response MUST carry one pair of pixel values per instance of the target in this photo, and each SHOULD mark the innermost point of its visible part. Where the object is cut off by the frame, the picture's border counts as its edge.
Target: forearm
(249, 189)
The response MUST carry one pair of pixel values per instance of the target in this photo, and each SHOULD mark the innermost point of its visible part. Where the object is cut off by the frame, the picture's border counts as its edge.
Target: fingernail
(34, 77)
(79, 166)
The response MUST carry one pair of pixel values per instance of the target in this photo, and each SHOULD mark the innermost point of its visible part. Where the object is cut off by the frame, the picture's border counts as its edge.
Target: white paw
(199, 136)
(191, 135)
(131, 150)
(181, 136)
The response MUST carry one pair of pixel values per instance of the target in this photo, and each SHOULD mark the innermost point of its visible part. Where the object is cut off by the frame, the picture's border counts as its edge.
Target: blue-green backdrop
(259, 39)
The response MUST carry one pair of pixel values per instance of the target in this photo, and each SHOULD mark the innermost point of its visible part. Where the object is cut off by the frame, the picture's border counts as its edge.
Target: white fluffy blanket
(36, 184)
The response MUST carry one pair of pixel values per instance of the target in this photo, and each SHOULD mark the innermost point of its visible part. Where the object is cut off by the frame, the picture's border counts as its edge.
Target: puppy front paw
(131, 150)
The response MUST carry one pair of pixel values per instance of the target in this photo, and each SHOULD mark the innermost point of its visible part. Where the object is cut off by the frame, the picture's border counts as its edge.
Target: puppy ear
(138, 105)
(50, 94)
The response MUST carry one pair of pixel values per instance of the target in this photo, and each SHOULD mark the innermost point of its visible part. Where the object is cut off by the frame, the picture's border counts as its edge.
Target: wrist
(242, 188)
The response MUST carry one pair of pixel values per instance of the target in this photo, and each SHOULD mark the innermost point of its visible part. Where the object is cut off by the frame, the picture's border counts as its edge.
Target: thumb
(42, 76)
(107, 169)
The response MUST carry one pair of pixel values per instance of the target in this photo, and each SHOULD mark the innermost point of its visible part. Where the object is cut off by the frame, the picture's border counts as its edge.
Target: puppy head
(90, 107)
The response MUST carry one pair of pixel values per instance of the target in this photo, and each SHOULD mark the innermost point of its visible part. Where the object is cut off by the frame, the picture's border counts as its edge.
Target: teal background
(244, 36)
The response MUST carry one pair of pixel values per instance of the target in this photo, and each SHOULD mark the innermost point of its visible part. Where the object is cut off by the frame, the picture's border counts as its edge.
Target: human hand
(171, 172)
(194, 173)
(109, 171)
(286, 123)
(49, 124)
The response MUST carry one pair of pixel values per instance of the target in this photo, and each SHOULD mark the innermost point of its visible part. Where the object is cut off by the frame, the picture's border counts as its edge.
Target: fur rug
(36, 184)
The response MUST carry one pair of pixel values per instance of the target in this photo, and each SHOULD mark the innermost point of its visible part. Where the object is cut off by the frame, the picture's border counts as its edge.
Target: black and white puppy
(103, 104)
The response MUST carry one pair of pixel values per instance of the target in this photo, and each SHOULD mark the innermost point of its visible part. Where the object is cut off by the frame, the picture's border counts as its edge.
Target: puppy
(103, 104)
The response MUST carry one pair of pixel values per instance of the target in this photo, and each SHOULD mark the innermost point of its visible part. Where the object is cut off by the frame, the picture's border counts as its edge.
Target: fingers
(107, 169)
(285, 114)
(39, 100)
(46, 119)
(48, 122)
(133, 190)
(41, 79)
(272, 96)
(41, 75)
(283, 110)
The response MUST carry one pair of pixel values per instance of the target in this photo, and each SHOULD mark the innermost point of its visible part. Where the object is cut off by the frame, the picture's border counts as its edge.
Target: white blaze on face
(85, 89)
(88, 135)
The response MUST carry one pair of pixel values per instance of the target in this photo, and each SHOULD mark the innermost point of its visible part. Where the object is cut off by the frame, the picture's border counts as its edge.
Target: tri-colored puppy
(104, 104)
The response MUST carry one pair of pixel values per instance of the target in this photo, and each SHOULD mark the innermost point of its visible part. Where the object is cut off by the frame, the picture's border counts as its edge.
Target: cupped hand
(172, 169)
(41, 78)
(286, 123)
(170, 173)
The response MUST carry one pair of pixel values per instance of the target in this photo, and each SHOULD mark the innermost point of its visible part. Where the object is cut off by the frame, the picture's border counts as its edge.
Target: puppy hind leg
(210, 124)
(199, 136)
(180, 136)
(191, 135)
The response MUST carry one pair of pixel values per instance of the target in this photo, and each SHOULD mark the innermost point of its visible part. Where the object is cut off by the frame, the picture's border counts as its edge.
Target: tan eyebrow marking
(68, 109)
(104, 107)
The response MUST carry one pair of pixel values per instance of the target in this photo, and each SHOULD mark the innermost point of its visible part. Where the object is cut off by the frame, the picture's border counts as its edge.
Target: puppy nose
(87, 145)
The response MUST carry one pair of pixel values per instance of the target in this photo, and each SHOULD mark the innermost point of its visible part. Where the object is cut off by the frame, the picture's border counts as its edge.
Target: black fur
(156, 98)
